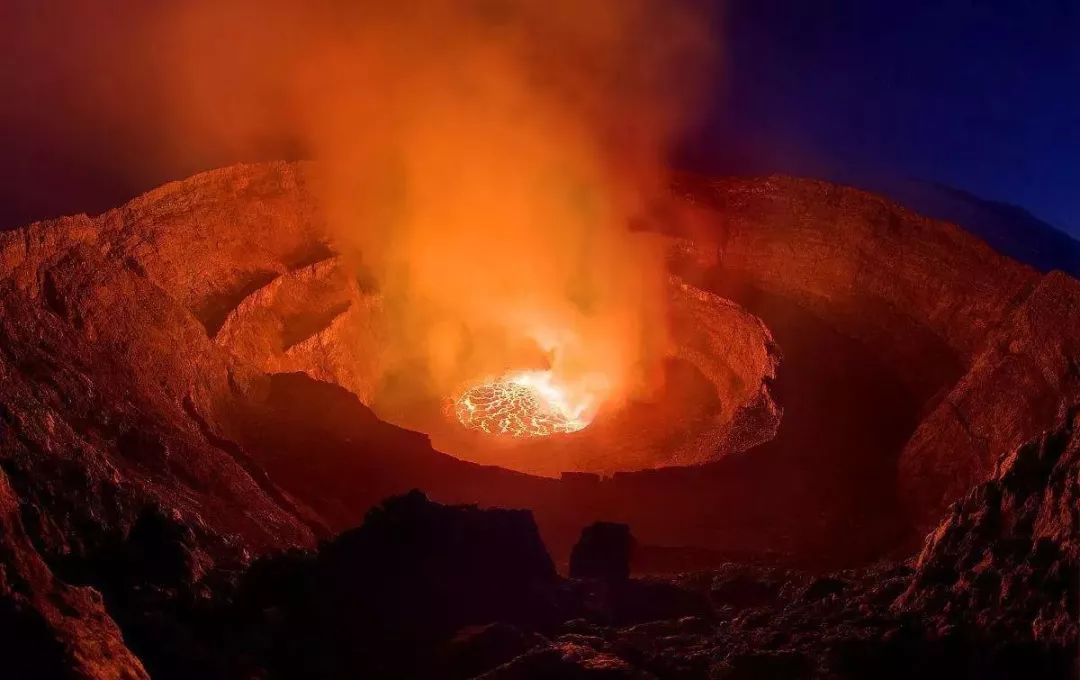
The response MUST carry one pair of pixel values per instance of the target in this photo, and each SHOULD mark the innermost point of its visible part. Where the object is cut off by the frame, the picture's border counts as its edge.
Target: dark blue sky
(981, 96)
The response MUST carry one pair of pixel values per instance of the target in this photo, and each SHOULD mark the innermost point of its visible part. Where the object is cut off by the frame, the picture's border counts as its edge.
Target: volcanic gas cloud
(481, 162)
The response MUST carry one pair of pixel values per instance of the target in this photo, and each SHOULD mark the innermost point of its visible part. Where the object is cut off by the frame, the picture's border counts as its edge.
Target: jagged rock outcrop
(48, 628)
(1007, 555)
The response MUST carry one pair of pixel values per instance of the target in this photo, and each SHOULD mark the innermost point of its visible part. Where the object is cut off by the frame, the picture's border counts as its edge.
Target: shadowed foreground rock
(49, 629)
(603, 552)
(380, 598)
(429, 590)
(443, 603)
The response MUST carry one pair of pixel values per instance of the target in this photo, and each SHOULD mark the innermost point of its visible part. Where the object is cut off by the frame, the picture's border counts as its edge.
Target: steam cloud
(481, 159)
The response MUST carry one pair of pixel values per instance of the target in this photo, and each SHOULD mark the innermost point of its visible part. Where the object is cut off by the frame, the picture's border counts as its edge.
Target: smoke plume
(481, 160)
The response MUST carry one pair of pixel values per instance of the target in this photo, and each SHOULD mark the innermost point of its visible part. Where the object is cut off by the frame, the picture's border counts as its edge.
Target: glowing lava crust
(519, 405)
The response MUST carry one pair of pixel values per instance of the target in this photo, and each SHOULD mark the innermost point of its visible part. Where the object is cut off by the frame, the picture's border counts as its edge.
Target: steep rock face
(737, 352)
(314, 319)
(110, 414)
(972, 352)
(109, 405)
(211, 240)
(1021, 383)
(51, 629)
(923, 293)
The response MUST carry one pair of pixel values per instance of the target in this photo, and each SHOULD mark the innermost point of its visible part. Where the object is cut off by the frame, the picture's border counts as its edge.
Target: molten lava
(528, 404)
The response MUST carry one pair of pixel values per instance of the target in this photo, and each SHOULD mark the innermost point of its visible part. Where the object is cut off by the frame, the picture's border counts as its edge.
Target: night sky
(981, 96)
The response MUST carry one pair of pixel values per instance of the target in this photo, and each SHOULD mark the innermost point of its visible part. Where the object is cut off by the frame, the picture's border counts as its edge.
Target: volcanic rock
(168, 395)
(603, 552)
(463, 563)
(1007, 555)
(49, 629)
(975, 352)
(475, 649)
(1023, 382)
(839, 276)
(955, 612)
(314, 319)
(922, 292)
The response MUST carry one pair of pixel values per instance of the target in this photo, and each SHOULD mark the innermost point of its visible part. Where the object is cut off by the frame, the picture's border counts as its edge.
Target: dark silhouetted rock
(603, 552)
(457, 564)
(824, 587)
(767, 665)
(409, 577)
(744, 587)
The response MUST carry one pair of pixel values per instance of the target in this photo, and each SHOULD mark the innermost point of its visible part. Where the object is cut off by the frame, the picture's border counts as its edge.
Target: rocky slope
(921, 292)
(1025, 378)
(977, 351)
(1009, 229)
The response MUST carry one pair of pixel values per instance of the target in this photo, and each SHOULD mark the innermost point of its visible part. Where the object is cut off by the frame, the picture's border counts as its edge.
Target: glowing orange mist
(480, 162)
